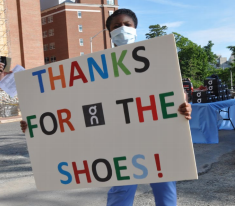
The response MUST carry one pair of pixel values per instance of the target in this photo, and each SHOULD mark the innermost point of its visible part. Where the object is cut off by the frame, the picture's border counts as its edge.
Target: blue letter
(91, 62)
(139, 166)
(39, 74)
(64, 173)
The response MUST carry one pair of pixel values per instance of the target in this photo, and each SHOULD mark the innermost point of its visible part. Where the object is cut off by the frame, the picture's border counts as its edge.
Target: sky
(198, 20)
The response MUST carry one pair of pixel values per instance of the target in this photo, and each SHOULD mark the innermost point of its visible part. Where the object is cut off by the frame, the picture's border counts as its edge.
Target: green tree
(156, 31)
(232, 48)
(224, 75)
(181, 41)
(212, 57)
(192, 58)
(232, 64)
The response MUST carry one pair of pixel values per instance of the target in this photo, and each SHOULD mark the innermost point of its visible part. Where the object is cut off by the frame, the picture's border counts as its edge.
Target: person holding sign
(122, 26)
(2, 72)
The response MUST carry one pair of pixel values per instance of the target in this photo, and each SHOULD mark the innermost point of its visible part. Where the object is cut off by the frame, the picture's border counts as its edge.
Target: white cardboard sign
(107, 119)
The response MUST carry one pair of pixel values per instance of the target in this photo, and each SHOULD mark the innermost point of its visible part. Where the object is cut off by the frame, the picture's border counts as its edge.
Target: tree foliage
(196, 62)
(212, 57)
(156, 31)
(192, 58)
(224, 75)
(232, 64)
(232, 48)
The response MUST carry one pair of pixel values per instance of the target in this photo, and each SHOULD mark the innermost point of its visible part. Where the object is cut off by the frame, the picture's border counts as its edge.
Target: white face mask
(123, 35)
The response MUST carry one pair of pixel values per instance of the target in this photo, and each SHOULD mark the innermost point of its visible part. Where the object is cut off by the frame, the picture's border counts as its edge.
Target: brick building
(67, 27)
(24, 43)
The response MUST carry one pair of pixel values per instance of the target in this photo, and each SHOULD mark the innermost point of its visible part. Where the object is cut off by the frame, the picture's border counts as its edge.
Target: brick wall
(25, 33)
(60, 34)
(92, 24)
(66, 29)
(13, 23)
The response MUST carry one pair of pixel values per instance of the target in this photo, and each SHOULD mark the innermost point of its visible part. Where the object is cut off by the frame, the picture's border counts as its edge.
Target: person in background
(2, 73)
(122, 26)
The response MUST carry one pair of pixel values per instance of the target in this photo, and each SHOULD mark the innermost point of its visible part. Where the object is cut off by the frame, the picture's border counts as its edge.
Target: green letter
(119, 63)
(31, 126)
(164, 105)
(118, 168)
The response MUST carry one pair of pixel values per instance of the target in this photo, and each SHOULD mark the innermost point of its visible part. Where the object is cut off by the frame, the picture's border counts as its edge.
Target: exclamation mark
(157, 159)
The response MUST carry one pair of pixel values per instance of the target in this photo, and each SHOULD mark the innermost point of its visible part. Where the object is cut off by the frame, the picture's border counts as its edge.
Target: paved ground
(215, 162)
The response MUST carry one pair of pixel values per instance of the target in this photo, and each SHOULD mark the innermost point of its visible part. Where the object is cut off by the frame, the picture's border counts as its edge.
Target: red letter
(60, 77)
(152, 107)
(77, 172)
(66, 120)
(80, 76)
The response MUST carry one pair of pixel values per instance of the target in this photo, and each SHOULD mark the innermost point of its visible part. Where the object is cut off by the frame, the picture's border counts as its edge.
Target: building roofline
(52, 8)
(79, 4)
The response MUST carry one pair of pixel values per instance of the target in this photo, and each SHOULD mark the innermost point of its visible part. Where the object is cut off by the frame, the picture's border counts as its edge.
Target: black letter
(109, 170)
(125, 107)
(141, 59)
(54, 122)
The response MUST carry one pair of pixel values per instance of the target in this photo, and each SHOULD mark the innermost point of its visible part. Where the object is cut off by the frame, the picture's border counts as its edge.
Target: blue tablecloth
(206, 120)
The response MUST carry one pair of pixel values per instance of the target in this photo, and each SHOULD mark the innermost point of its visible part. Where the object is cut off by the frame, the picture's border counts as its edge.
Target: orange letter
(66, 120)
(60, 77)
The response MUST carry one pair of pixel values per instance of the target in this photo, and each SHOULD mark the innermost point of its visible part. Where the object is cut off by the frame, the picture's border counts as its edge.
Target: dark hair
(127, 12)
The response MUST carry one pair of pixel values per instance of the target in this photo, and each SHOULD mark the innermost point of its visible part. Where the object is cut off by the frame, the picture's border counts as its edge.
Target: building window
(53, 59)
(52, 46)
(110, 13)
(45, 47)
(110, 2)
(47, 60)
(50, 19)
(51, 32)
(44, 34)
(81, 42)
(81, 53)
(44, 21)
(79, 14)
(80, 28)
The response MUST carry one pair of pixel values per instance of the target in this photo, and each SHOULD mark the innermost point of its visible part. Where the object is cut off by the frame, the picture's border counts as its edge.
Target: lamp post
(231, 74)
(94, 37)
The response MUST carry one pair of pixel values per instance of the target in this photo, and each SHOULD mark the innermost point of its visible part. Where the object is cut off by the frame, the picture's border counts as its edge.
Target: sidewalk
(214, 187)
(4, 120)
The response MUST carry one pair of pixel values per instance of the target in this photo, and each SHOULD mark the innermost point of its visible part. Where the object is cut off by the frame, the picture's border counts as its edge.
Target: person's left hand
(186, 110)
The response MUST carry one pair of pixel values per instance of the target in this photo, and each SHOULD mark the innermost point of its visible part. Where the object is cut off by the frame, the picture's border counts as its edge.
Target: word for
(94, 116)
(118, 168)
(92, 64)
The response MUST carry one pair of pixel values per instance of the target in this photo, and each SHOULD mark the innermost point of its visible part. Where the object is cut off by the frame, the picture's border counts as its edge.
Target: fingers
(188, 117)
(5, 73)
(185, 104)
(1, 67)
(186, 110)
(185, 107)
(23, 126)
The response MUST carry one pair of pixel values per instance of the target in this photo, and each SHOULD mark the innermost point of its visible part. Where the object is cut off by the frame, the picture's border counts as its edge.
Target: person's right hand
(23, 126)
(1, 67)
